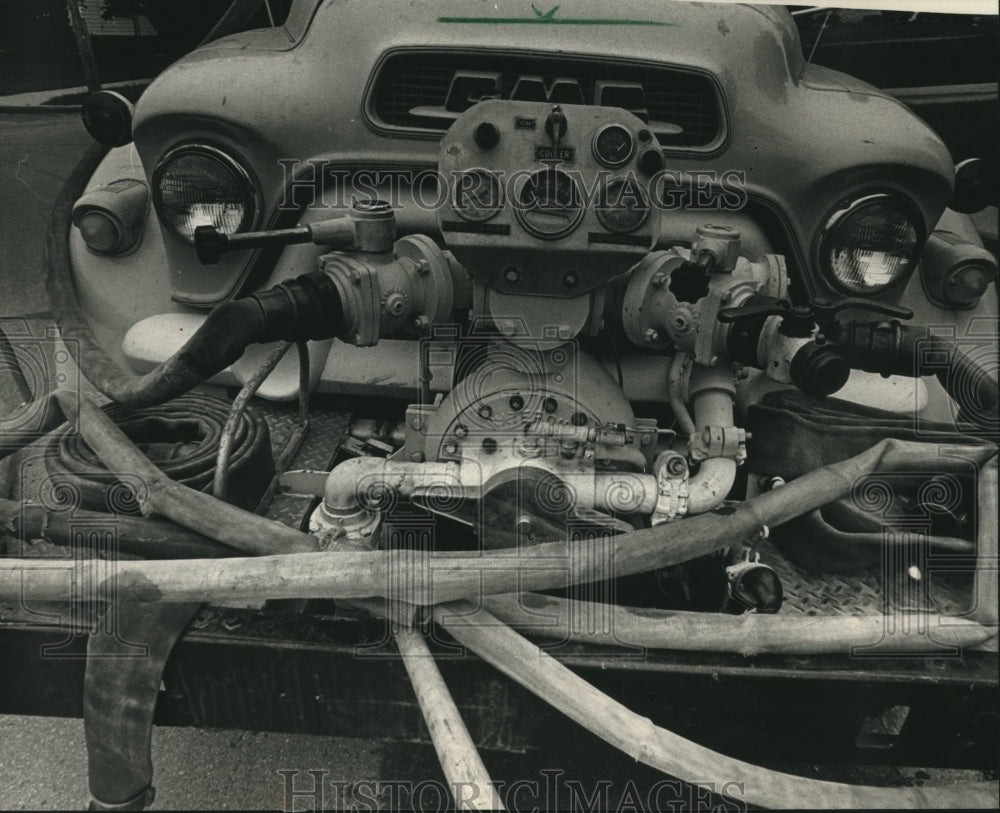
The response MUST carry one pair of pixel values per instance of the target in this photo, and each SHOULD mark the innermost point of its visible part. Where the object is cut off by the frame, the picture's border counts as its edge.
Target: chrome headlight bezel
(242, 177)
(838, 219)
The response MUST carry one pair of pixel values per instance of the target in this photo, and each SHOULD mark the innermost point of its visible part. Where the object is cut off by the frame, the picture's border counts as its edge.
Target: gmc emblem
(469, 87)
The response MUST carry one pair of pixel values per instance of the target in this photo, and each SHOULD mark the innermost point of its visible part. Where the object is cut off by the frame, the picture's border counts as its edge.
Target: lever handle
(763, 306)
(824, 310)
(210, 243)
(819, 310)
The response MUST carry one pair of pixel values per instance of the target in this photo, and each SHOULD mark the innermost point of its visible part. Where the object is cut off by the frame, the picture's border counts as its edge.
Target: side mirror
(107, 116)
(975, 186)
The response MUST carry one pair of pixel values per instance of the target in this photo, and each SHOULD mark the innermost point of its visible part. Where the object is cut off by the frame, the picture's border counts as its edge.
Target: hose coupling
(305, 308)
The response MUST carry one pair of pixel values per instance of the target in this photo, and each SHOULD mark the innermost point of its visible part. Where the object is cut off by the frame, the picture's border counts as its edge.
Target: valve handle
(824, 310)
(819, 310)
(763, 306)
(210, 243)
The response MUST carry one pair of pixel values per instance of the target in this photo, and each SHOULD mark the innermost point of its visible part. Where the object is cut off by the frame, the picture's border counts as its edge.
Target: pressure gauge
(614, 145)
(622, 206)
(477, 195)
(549, 204)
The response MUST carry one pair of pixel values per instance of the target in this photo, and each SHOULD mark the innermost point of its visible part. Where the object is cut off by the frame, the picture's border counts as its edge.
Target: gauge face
(622, 206)
(614, 145)
(549, 204)
(478, 195)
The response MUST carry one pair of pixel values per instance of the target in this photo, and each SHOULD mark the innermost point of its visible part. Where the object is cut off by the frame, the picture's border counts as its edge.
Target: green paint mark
(567, 21)
(549, 18)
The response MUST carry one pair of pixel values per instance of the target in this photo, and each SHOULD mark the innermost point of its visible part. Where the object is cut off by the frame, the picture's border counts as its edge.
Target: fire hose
(659, 748)
(120, 689)
(362, 575)
(749, 634)
(183, 437)
(433, 578)
(293, 571)
(322, 574)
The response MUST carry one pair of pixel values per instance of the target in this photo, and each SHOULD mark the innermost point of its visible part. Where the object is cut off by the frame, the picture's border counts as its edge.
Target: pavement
(42, 101)
(43, 766)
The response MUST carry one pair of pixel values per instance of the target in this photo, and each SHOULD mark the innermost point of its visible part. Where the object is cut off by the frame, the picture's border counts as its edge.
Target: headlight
(871, 244)
(197, 185)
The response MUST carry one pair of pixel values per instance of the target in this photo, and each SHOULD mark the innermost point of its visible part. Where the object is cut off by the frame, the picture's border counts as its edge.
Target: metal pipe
(676, 399)
(713, 393)
(624, 492)
(709, 487)
(345, 487)
(345, 491)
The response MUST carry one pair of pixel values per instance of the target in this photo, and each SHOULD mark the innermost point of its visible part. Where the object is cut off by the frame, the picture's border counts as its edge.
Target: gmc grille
(427, 91)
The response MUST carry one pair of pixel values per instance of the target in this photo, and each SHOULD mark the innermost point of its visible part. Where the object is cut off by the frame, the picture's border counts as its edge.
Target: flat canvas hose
(11, 367)
(193, 509)
(362, 575)
(659, 748)
(139, 536)
(126, 653)
(468, 779)
(429, 578)
(128, 648)
(183, 435)
(748, 634)
(608, 718)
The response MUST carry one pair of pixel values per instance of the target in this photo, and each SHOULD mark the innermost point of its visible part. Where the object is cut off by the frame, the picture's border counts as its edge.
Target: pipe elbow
(713, 393)
(364, 484)
(349, 481)
(709, 487)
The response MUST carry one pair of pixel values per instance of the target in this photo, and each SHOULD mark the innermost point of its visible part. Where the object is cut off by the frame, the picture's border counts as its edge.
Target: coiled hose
(182, 437)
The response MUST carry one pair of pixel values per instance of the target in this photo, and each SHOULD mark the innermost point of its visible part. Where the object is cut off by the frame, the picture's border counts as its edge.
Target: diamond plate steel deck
(866, 591)
(327, 429)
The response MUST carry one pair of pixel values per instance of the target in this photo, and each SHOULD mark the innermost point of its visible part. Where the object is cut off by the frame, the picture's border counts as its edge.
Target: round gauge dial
(478, 195)
(622, 206)
(614, 145)
(549, 204)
